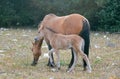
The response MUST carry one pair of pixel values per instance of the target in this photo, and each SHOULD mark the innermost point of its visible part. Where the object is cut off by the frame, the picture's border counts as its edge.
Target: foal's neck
(49, 33)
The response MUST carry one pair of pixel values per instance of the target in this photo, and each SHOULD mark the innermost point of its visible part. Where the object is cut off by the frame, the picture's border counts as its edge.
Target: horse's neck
(39, 43)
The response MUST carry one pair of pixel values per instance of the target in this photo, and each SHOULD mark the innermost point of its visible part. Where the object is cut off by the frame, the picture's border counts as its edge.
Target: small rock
(2, 51)
(46, 55)
(24, 35)
(51, 78)
(96, 46)
(110, 44)
(3, 29)
(108, 38)
(2, 55)
(96, 34)
(8, 34)
(105, 36)
(14, 40)
(53, 70)
(114, 64)
(98, 57)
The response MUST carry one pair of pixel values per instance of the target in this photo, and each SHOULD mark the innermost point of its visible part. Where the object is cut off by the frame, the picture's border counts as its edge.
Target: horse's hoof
(51, 65)
(58, 68)
(84, 69)
(33, 64)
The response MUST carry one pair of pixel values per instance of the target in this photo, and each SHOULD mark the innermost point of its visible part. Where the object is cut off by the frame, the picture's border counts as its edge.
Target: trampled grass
(16, 57)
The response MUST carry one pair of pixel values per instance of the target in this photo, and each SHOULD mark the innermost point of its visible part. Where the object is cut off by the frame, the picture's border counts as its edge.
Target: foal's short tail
(85, 34)
(83, 44)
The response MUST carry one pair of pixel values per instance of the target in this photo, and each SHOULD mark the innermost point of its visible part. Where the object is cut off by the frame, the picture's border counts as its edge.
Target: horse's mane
(50, 29)
(51, 14)
(39, 24)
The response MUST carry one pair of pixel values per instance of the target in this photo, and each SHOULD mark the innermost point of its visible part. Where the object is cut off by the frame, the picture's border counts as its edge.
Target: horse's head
(36, 49)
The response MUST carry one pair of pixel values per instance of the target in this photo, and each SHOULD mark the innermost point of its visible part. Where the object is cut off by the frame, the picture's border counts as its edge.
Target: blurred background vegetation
(104, 15)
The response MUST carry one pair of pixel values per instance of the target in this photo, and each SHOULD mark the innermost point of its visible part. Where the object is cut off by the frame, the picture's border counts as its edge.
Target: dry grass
(16, 57)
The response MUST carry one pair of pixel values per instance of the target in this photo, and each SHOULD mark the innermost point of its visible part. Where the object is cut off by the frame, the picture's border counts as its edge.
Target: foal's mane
(50, 29)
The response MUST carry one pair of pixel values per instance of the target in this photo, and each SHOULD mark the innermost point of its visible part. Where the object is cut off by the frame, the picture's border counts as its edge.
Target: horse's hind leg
(72, 59)
(51, 64)
(85, 34)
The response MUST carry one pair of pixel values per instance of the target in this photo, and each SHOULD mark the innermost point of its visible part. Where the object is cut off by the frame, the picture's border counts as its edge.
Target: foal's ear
(40, 28)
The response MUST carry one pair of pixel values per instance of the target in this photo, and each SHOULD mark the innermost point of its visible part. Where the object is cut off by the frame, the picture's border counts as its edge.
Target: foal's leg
(84, 56)
(51, 64)
(58, 59)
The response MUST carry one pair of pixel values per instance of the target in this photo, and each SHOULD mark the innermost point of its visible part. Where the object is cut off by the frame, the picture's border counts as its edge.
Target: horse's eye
(32, 49)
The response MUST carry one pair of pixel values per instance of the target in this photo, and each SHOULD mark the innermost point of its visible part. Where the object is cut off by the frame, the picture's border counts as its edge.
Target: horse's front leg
(50, 56)
(50, 64)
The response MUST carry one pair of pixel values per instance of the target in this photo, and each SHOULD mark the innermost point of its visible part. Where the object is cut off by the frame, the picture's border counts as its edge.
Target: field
(16, 57)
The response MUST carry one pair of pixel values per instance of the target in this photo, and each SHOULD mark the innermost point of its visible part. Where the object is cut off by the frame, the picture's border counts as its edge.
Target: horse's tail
(85, 34)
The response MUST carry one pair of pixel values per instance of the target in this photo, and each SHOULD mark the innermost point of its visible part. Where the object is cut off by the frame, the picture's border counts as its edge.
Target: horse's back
(69, 24)
(73, 24)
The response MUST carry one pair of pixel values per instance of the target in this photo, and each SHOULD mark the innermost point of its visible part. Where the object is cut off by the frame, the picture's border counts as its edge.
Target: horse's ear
(36, 38)
(32, 43)
(30, 48)
(39, 24)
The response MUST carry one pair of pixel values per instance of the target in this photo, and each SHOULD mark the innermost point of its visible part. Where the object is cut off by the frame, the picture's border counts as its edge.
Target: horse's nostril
(32, 50)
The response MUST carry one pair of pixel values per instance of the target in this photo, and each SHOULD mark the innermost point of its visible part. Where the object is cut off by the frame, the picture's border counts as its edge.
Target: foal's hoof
(89, 71)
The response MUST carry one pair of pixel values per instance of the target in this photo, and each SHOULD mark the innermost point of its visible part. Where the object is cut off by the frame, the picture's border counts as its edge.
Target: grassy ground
(16, 57)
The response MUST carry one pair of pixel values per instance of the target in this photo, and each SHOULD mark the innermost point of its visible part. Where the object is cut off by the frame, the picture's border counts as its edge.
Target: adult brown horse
(70, 24)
